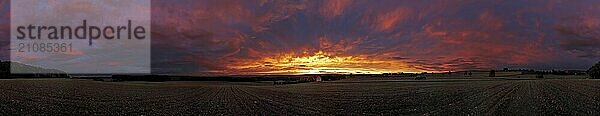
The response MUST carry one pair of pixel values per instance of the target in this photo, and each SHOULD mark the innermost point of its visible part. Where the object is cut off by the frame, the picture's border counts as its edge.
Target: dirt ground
(483, 96)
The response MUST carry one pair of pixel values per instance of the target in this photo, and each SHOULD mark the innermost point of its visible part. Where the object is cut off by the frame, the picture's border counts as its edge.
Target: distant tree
(539, 75)
(594, 71)
(492, 73)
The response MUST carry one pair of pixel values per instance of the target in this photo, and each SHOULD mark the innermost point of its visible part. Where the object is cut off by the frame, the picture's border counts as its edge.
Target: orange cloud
(321, 63)
(334, 8)
(342, 45)
(387, 20)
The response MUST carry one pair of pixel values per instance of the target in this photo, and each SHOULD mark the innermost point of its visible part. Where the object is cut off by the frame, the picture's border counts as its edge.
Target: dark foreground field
(434, 97)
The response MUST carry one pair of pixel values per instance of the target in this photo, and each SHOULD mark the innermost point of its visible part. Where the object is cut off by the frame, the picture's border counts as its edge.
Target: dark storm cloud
(583, 37)
(583, 44)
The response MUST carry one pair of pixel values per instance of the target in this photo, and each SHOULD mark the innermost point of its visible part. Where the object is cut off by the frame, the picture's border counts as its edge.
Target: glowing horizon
(260, 37)
(322, 63)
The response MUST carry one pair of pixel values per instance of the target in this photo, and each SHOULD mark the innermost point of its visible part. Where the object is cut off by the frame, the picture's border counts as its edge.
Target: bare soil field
(492, 96)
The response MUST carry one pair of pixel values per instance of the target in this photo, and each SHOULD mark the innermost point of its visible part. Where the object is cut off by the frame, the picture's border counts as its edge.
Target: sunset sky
(216, 37)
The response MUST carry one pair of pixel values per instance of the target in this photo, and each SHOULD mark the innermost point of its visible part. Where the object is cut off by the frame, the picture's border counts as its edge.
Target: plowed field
(409, 97)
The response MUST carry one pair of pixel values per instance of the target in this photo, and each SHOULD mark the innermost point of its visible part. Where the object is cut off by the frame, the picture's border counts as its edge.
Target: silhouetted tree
(539, 75)
(492, 73)
(594, 71)
(4, 69)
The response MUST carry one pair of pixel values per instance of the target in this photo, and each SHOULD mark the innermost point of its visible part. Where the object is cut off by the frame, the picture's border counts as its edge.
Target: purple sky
(205, 37)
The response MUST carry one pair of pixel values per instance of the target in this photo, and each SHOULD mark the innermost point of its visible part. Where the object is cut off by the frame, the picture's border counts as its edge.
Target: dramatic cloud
(334, 8)
(250, 37)
(212, 37)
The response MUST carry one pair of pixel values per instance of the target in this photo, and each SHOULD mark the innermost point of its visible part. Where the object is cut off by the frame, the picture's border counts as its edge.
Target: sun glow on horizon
(322, 63)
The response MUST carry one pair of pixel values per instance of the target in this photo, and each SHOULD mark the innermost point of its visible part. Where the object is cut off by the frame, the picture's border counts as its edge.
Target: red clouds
(334, 8)
(485, 38)
(387, 20)
(489, 20)
(211, 36)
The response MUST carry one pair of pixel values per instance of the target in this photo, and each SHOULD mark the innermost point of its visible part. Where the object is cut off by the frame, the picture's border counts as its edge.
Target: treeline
(556, 72)
(278, 78)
